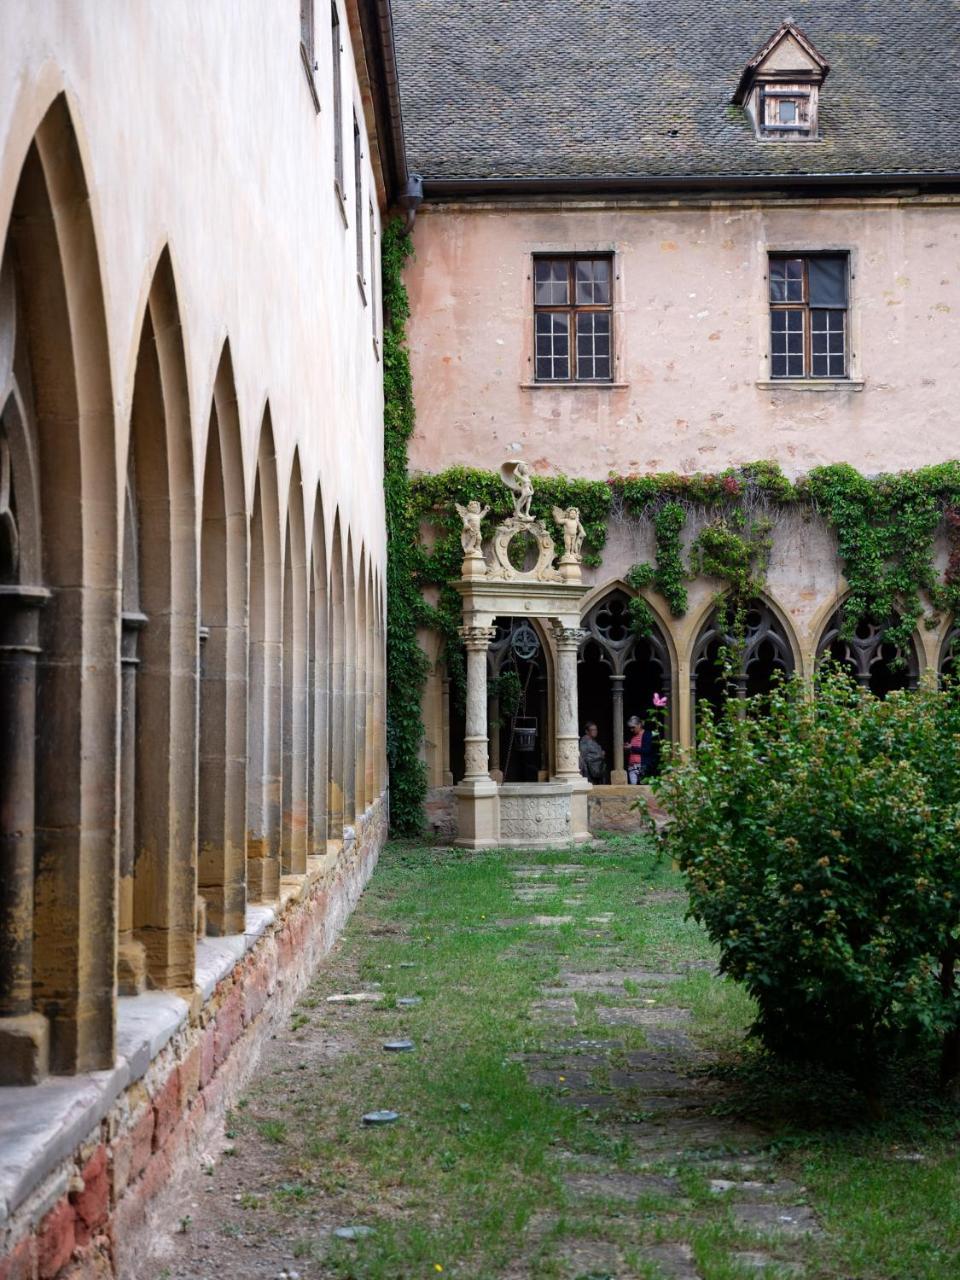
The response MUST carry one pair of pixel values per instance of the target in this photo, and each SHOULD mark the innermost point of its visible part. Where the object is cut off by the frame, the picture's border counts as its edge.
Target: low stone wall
(611, 808)
(86, 1163)
(608, 809)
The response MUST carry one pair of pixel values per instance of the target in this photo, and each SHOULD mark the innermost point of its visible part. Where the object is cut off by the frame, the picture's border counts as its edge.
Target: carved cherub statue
(471, 539)
(516, 476)
(573, 531)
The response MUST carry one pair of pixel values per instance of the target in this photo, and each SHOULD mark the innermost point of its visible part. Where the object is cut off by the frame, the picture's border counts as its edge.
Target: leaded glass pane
(593, 346)
(786, 344)
(828, 332)
(551, 282)
(786, 279)
(593, 282)
(552, 346)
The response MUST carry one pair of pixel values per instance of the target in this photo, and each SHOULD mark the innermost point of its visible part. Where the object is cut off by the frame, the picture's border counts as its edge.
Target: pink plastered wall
(691, 337)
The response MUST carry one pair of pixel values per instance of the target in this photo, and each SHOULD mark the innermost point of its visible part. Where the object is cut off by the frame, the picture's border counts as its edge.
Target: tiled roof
(590, 88)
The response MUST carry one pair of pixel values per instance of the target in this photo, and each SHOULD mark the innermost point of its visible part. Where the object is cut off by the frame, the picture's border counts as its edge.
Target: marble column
(618, 774)
(24, 1038)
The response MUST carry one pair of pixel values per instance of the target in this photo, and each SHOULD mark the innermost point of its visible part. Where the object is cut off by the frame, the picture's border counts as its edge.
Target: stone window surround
(568, 249)
(854, 381)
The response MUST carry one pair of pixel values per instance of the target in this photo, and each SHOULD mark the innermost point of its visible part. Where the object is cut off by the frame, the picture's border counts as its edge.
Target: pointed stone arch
(318, 681)
(872, 661)
(221, 819)
(350, 686)
(158, 673)
(620, 672)
(369, 728)
(59, 874)
(335, 725)
(294, 807)
(768, 645)
(265, 677)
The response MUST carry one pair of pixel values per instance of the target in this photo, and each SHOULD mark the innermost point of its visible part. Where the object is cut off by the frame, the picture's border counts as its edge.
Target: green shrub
(820, 840)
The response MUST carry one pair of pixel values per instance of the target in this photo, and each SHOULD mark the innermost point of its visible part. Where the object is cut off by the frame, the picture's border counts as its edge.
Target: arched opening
(350, 687)
(622, 674)
(221, 816)
(265, 678)
(948, 667)
(871, 660)
(743, 661)
(518, 698)
(294, 819)
(318, 682)
(360, 716)
(369, 729)
(158, 680)
(336, 703)
(59, 512)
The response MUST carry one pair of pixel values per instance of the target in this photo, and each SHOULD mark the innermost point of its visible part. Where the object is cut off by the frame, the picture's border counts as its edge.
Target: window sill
(362, 286)
(811, 384)
(573, 386)
(341, 202)
(309, 73)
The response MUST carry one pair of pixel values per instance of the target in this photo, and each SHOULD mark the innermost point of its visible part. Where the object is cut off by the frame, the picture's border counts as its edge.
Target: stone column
(493, 729)
(618, 774)
(447, 773)
(478, 801)
(543, 717)
(131, 956)
(476, 640)
(24, 1035)
(568, 640)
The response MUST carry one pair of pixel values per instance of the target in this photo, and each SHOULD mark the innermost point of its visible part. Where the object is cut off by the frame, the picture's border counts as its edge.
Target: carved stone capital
(568, 638)
(477, 638)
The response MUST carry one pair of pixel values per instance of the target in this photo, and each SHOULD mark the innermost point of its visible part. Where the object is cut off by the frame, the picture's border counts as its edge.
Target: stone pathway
(661, 1098)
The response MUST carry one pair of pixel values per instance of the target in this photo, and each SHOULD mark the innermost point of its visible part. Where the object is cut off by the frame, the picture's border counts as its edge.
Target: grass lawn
(474, 1178)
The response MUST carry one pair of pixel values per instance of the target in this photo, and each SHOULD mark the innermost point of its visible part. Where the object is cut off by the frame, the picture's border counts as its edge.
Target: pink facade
(691, 389)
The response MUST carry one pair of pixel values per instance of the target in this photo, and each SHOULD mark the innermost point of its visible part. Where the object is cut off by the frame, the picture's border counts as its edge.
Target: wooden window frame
(804, 306)
(358, 201)
(337, 93)
(571, 310)
(308, 47)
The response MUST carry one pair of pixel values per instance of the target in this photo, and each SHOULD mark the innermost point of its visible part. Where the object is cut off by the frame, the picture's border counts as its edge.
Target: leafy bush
(820, 840)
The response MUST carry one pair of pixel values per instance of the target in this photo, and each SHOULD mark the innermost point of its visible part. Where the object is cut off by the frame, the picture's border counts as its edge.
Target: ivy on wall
(406, 663)
(885, 527)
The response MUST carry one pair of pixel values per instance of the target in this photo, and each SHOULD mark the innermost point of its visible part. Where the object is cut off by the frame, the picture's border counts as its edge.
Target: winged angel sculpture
(573, 530)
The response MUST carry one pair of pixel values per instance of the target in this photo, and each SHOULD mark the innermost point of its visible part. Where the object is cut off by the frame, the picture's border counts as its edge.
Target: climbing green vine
(406, 663)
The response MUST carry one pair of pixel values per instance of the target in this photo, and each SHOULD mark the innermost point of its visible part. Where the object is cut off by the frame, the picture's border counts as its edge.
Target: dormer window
(780, 87)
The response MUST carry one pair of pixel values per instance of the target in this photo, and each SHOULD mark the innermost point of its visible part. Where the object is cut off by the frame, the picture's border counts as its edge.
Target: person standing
(593, 758)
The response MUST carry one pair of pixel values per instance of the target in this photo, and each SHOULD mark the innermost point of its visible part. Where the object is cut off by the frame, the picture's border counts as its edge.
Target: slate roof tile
(590, 88)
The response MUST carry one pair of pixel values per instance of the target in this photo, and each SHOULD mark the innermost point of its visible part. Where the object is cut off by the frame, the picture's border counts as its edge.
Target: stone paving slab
(777, 1219)
(636, 1016)
(753, 1260)
(675, 1261)
(619, 1186)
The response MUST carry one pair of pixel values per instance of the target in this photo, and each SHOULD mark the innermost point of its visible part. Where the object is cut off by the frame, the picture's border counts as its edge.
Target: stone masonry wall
(85, 1218)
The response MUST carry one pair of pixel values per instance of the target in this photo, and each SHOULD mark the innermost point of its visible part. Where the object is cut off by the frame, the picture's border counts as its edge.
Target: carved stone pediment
(521, 527)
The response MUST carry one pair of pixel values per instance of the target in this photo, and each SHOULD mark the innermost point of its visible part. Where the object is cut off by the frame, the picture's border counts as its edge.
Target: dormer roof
(787, 55)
